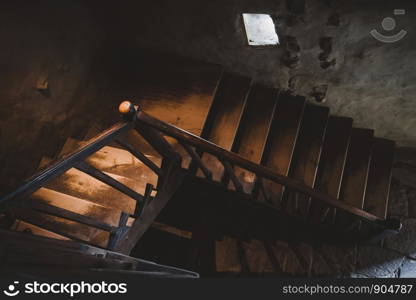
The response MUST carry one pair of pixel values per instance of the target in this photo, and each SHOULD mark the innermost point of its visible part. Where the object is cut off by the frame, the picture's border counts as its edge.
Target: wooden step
(177, 90)
(281, 144)
(22, 226)
(256, 257)
(78, 184)
(122, 163)
(332, 162)
(77, 205)
(63, 227)
(307, 154)
(225, 116)
(118, 161)
(354, 180)
(253, 130)
(131, 137)
(287, 259)
(379, 177)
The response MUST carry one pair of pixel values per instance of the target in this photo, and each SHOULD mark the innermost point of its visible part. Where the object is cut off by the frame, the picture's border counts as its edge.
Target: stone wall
(326, 51)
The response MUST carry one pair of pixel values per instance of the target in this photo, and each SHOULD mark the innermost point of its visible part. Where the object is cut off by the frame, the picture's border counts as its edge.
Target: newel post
(128, 110)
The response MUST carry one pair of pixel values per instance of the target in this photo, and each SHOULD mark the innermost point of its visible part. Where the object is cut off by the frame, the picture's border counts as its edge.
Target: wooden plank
(76, 205)
(73, 230)
(227, 110)
(378, 184)
(331, 165)
(253, 130)
(30, 229)
(177, 90)
(307, 154)
(354, 180)
(78, 184)
(281, 143)
(69, 215)
(119, 161)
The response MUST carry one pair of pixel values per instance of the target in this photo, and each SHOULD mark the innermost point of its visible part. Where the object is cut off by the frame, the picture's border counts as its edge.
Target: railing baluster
(146, 200)
(97, 174)
(121, 229)
(197, 159)
(230, 171)
(158, 142)
(296, 203)
(140, 156)
(260, 189)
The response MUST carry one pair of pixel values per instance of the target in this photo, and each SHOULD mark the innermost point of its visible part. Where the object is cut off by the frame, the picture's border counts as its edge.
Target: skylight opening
(260, 30)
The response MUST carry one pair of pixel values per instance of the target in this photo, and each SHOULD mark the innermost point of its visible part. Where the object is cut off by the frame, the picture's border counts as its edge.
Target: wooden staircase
(272, 153)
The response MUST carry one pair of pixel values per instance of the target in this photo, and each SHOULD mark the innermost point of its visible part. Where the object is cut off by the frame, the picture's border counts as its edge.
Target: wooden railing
(196, 146)
(18, 202)
(154, 131)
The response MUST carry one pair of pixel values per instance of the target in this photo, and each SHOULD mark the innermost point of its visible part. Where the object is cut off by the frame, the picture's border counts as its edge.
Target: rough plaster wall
(45, 61)
(368, 80)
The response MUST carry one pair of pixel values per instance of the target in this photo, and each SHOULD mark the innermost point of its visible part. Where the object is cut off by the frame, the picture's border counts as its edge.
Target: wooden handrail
(261, 171)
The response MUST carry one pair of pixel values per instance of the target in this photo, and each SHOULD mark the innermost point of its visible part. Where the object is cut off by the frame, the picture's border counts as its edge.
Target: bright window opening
(260, 30)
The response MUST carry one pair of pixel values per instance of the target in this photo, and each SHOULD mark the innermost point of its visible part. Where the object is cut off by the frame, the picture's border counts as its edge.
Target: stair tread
(226, 112)
(379, 177)
(63, 227)
(254, 128)
(332, 162)
(78, 184)
(22, 226)
(281, 143)
(77, 205)
(354, 180)
(190, 87)
(122, 163)
(307, 153)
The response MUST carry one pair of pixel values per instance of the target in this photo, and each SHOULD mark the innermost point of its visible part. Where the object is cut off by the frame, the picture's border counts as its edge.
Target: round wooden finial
(125, 107)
